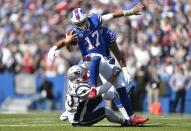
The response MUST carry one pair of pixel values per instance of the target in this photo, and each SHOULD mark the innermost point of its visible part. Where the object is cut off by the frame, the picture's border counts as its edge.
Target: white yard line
(167, 118)
(39, 119)
(22, 125)
(68, 124)
(16, 119)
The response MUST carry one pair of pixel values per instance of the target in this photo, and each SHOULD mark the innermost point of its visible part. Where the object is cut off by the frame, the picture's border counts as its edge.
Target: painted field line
(68, 124)
(14, 119)
(167, 118)
(40, 119)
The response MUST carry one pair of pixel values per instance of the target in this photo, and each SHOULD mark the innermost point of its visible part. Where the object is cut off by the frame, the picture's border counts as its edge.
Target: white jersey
(76, 99)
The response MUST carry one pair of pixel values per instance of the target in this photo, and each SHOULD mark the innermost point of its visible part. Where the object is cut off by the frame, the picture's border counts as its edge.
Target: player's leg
(105, 70)
(89, 116)
(94, 74)
(91, 62)
(95, 116)
(112, 94)
(94, 70)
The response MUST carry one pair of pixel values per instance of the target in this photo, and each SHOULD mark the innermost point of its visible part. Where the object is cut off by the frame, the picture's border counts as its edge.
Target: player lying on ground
(77, 101)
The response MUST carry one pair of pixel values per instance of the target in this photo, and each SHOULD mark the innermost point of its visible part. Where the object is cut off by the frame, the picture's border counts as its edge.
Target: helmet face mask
(83, 25)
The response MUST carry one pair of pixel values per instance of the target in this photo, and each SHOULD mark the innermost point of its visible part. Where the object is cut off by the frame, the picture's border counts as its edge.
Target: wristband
(128, 12)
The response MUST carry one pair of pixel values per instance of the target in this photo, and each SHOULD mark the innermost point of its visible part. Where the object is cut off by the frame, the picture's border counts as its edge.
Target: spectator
(177, 83)
(47, 99)
(141, 78)
(152, 85)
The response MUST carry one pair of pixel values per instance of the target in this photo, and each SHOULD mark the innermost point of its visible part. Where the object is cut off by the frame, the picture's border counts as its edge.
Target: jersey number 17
(95, 35)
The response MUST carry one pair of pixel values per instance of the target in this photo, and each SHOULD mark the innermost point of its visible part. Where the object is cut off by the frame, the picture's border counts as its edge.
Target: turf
(39, 121)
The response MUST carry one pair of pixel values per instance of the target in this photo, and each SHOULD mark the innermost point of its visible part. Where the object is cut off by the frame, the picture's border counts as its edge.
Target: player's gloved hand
(115, 73)
(126, 74)
(52, 53)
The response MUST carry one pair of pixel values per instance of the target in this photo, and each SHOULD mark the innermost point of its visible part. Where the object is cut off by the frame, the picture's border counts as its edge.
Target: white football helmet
(79, 18)
(75, 74)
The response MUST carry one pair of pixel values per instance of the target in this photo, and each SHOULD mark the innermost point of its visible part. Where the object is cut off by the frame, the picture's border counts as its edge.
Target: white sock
(123, 112)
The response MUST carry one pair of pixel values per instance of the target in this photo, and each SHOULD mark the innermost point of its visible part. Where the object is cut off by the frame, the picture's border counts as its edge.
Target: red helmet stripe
(77, 14)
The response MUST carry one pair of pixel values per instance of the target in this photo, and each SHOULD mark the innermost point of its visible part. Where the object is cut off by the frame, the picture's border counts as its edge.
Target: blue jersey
(109, 38)
(95, 39)
(92, 40)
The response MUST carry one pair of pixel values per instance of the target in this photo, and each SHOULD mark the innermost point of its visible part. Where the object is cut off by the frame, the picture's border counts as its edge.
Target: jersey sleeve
(96, 19)
(108, 35)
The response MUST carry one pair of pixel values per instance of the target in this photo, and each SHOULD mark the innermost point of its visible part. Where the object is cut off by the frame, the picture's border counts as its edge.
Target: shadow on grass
(118, 126)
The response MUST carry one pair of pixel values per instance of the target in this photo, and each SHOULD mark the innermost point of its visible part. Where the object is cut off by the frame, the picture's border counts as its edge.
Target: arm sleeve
(106, 17)
(96, 19)
(108, 35)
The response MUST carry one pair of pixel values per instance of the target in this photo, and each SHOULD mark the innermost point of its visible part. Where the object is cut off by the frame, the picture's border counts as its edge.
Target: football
(75, 41)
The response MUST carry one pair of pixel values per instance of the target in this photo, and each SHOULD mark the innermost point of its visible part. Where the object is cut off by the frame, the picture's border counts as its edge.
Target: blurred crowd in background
(156, 44)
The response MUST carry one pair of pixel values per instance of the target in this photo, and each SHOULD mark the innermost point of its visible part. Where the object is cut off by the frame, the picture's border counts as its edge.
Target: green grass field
(50, 122)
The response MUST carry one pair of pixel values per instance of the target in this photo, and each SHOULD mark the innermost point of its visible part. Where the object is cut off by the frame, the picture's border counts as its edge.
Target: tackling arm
(107, 85)
(134, 11)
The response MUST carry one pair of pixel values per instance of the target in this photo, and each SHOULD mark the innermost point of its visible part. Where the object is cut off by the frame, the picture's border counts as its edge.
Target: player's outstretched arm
(70, 37)
(134, 11)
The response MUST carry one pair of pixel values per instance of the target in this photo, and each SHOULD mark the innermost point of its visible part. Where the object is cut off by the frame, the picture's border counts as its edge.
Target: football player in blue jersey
(93, 47)
(90, 39)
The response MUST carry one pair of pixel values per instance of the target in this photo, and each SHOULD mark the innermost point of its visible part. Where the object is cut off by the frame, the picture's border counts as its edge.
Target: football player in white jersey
(77, 101)
(84, 112)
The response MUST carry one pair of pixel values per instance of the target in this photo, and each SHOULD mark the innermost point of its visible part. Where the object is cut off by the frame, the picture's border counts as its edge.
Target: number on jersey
(95, 35)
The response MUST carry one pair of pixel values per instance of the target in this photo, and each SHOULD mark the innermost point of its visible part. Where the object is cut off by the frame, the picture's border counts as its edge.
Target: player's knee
(109, 95)
(119, 82)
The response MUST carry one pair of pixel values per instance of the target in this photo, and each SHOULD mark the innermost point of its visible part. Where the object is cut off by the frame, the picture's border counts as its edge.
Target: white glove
(52, 53)
(126, 74)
